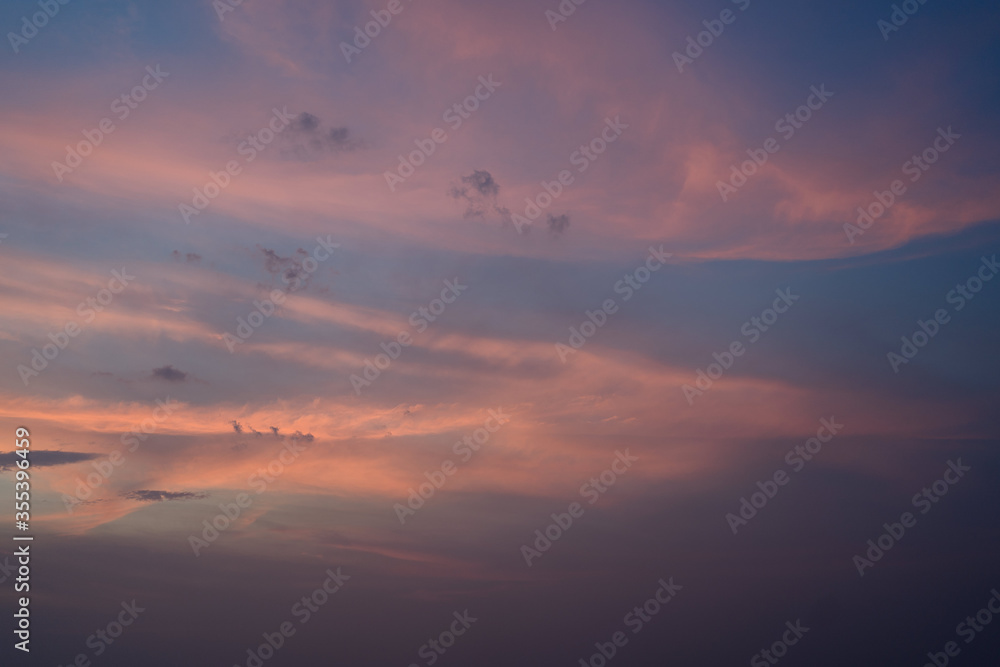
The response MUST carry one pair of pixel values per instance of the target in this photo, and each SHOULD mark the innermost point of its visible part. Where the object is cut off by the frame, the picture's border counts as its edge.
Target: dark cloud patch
(482, 182)
(275, 431)
(148, 496)
(240, 428)
(41, 458)
(481, 193)
(242, 442)
(307, 139)
(273, 262)
(305, 122)
(479, 190)
(187, 257)
(557, 223)
(289, 268)
(169, 373)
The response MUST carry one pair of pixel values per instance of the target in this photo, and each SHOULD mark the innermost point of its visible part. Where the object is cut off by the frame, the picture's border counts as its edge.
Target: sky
(546, 315)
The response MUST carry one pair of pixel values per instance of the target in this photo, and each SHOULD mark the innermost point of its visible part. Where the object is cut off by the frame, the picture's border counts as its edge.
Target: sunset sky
(235, 236)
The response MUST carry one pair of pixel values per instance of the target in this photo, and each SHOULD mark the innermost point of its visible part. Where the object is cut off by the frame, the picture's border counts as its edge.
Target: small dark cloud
(557, 223)
(272, 260)
(169, 373)
(305, 122)
(41, 458)
(187, 257)
(307, 138)
(290, 268)
(148, 496)
(240, 428)
(275, 431)
(482, 182)
(479, 190)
